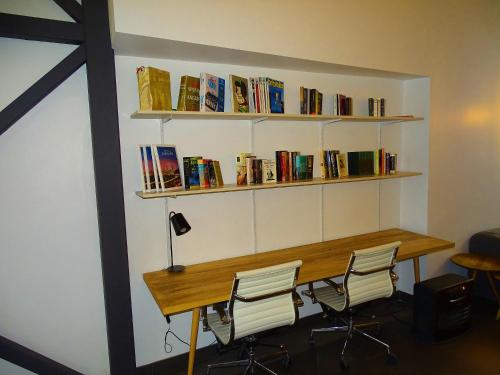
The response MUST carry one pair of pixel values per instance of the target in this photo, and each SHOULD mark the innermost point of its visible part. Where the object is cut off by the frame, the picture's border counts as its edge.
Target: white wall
(50, 272)
(223, 223)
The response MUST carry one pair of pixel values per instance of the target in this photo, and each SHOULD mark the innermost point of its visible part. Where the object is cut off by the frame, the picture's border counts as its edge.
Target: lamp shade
(180, 224)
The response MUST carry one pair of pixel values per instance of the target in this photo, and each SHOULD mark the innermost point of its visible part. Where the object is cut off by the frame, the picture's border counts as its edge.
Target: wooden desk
(208, 283)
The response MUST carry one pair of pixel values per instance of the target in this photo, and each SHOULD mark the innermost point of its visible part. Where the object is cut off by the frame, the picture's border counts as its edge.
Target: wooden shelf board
(233, 187)
(187, 115)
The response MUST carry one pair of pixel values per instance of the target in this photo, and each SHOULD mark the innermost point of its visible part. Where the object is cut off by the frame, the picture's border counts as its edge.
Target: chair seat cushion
(221, 331)
(328, 296)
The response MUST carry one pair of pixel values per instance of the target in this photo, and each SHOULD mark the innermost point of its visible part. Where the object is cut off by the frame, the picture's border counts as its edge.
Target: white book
(156, 186)
(261, 96)
(147, 156)
(143, 168)
(251, 95)
(249, 165)
(375, 107)
(268, 101)
(158, 173)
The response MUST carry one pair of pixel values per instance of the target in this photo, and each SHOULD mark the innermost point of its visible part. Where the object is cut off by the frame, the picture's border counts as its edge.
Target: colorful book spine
(194, 175)
(218, 173)
(204, 173)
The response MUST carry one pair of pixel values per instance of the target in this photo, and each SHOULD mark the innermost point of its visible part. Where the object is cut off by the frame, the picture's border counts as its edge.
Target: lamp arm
(170, 237)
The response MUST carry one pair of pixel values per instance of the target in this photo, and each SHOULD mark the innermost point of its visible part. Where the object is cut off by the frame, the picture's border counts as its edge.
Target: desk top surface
(207, 283)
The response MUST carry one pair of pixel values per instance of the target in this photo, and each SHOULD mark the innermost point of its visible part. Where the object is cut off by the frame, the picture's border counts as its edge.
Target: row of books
(287, 166)
(250, 170)
(376, 107)
(200, 173)
(207, 92)
(159, 168)
(311, 101)
(333, 164)
(342, 105)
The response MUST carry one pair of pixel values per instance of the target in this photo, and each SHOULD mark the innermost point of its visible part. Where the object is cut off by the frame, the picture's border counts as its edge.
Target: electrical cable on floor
(166, 345)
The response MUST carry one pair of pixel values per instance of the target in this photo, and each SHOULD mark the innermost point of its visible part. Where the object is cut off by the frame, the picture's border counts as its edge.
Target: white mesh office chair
(369, 276)
(260, 300)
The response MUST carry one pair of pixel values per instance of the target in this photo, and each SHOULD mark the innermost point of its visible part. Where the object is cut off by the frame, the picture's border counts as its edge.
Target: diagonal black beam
(40, 89)
(40, 29)
(72, 8)
(30, 360)
(109, 187)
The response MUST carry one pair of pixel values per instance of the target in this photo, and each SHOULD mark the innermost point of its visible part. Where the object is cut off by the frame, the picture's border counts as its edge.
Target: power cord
(166, 345)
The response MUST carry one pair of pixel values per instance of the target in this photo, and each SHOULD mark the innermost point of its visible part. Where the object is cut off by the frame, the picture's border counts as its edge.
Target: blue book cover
(276, 96)
(220, 96)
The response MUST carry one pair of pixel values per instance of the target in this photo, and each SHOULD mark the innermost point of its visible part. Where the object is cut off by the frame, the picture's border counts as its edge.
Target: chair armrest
(220, 309)
(338, 288)
(394, 277)
(297, 301)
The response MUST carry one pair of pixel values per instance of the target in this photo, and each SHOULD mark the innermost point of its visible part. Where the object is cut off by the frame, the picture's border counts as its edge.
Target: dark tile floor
(475, 352)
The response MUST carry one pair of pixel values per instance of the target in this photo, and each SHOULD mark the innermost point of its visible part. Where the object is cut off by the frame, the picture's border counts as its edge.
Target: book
(239, 93)
(154, 89)
(370, 107)
(211, 93)
(257, 170)
(301, 165)
(241, 168)
(293, 169)
(193, 173)
(268, 171)
(211, 174)
(312, 102)
(186, 166)
(167, 164)
(218, 173)
(203, 173)
(189, 94)
(146, 185)
(249, 169)
(382, 106)
(360, 163)
(309, 166)
(276, 95)
(342, 165)
(150, 169)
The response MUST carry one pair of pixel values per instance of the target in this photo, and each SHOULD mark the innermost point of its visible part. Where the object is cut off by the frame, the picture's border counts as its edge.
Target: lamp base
(176, 268)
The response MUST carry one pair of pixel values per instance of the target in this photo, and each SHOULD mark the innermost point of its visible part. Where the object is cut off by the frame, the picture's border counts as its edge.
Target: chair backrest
(368, 275)
(262, 299)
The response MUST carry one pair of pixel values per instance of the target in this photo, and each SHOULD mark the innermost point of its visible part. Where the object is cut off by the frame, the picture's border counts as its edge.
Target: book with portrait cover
(268, 171)
(342, 165)
(276, 95)
(239, 93)
(169, 173)
(211, 93)
(189, 94)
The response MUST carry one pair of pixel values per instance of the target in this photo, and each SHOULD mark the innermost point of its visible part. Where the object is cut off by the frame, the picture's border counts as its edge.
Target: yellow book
(154, 89)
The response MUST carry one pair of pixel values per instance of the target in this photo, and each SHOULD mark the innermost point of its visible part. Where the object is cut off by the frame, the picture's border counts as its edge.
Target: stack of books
(159, 168)
(376, 107)
(311, 101)
(200, 173)
(342, 105)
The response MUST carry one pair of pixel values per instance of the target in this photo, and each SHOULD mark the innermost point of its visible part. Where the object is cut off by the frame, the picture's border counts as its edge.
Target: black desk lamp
(181, 226)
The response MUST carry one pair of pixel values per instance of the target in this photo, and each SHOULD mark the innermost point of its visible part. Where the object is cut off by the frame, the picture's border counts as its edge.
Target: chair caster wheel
(343, 364)
(392, 358)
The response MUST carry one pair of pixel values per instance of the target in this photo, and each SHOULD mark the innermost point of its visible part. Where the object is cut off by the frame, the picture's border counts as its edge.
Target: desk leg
(194, 337)
(416, 269)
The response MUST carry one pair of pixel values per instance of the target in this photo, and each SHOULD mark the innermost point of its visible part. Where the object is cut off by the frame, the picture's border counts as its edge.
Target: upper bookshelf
(257, 117)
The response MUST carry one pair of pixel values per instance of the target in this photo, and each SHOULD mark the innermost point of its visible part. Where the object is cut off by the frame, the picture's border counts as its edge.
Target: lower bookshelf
(233, 187)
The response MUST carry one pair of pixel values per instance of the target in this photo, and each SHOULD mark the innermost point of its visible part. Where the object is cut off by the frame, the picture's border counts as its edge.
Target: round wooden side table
(479, 262)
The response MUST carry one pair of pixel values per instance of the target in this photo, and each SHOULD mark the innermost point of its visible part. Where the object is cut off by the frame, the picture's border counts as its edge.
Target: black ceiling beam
(30, 360)
(105, 133)
(40, 29)
(72, 8)
(40, 89)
